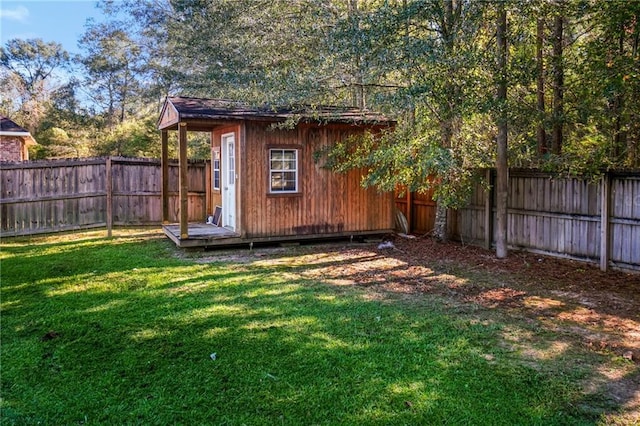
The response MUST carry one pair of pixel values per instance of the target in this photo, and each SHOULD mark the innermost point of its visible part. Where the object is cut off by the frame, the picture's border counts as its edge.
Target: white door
(228, 173)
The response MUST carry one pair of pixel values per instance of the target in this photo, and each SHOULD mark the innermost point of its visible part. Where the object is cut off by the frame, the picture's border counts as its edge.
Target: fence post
(488, 211)
(109, 198)
(409, 211)
(183, 164)
(605, 213)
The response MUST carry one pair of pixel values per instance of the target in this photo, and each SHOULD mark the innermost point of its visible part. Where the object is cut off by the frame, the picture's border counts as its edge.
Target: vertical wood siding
(327, 202)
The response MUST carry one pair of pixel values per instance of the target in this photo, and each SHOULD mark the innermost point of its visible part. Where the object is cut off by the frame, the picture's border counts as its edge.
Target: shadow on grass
(548, 331)
(125, 334)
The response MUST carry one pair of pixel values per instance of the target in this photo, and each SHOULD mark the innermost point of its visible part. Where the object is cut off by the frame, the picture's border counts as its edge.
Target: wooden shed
(266, 181)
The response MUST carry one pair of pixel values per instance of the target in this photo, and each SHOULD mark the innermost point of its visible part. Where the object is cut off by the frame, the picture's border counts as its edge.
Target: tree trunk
(558, 85)
(357, 85)
(620, 134)
(541, 132)
(501, 162)
(633, 150)
(440, 229)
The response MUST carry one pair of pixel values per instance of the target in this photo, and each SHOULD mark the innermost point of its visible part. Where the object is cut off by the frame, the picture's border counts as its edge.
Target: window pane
(216, 170)
(283, 181)
(276, 182)
(283, 165)
(289, 181)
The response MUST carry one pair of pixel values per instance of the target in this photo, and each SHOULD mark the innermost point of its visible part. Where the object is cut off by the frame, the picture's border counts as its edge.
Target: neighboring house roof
(180, 108)
(10, 128)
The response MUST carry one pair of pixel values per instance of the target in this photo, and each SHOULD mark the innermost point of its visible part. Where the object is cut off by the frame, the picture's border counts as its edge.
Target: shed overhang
(206, 114)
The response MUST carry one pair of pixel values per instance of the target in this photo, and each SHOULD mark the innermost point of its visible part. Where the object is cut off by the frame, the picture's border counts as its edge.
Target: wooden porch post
(184, 186)
(165, 177)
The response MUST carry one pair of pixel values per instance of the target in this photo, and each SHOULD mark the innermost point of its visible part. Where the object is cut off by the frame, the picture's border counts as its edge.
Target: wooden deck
(203, 236)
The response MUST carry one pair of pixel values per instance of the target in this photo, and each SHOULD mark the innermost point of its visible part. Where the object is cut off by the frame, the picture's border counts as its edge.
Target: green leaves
(430, 63)
(407, 158)
(27, 69)
(32, 60)
(113, 65)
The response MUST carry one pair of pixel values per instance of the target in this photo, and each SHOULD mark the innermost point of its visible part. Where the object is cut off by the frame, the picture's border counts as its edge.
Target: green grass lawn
(121, 331)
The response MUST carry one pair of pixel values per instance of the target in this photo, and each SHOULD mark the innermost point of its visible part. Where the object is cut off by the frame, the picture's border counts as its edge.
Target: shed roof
(10, 128)
(179, 108)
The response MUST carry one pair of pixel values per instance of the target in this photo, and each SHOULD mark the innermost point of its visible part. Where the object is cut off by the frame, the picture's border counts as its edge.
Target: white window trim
(216, 152)
(296, 171)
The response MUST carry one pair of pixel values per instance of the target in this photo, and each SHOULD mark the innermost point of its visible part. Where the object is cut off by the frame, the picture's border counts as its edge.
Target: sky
(51, 20)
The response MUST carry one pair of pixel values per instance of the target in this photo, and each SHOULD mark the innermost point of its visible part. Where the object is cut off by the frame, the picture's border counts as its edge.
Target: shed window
(283, 170)
(216, 169)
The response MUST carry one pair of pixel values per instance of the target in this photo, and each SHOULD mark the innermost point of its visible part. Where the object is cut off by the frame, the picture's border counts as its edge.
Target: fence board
(546, 214)
(625, 215)
(60, 195)
(562, 217)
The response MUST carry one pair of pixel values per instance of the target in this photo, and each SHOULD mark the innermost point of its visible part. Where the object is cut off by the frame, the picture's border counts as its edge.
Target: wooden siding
(168, 117)
(52, 196)
(327, 202)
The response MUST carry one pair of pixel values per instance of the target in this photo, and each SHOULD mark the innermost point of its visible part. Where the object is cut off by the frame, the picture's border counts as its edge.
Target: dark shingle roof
(217, 109)
(7, 125)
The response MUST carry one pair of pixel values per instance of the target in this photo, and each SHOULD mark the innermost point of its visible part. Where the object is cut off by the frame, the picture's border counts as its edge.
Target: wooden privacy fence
(561, 217)
(418, 208)
(62, 195)
(575, 218)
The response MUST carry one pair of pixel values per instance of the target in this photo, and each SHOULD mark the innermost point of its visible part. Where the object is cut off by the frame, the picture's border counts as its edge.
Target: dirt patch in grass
(604, 305)
(579, 315)
(593, 311)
